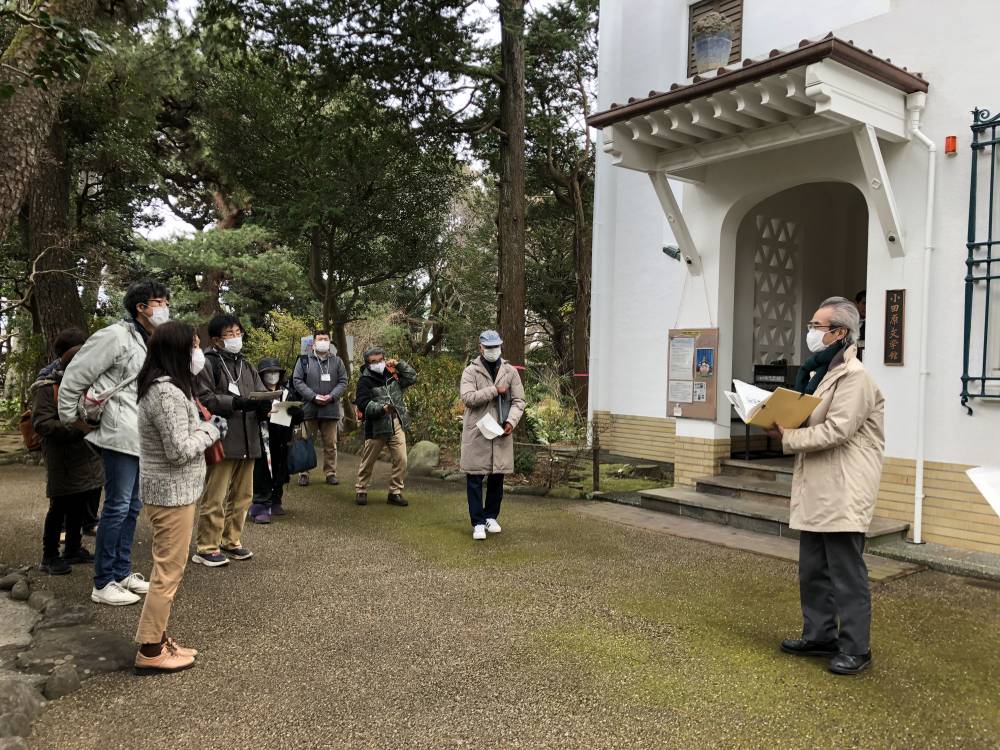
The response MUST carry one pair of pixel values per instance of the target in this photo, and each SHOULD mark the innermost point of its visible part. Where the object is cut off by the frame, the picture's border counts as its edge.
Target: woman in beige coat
(838, 465)
(490, 386)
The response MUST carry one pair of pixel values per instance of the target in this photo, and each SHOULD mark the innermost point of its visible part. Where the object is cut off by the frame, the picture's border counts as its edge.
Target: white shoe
(114, 595)
(479, 532)
(135, 582)
(492, 526)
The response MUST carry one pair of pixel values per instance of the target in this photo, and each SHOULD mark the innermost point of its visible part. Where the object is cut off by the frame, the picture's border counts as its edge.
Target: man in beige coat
(490, 387)
(838, 465)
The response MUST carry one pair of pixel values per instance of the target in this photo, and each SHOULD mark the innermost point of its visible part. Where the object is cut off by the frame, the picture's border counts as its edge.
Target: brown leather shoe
(168, 660)
(181, 650)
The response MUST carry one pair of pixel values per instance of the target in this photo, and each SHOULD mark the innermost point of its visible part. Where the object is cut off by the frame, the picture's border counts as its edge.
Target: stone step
(760, 490)
(763, 517)
(879, 569)
(774, 470)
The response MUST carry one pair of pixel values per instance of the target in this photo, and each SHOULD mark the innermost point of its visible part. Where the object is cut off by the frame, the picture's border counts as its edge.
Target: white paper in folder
(490, 428)
(987, 481)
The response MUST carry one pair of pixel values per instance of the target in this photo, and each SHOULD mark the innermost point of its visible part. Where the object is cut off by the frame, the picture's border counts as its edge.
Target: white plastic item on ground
(987, 481)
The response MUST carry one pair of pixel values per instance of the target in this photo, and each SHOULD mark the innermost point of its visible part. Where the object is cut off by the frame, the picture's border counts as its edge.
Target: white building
(798, 174)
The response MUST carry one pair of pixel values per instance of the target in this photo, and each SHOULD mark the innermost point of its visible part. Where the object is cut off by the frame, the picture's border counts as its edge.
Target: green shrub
(525, 460)
(433, 403)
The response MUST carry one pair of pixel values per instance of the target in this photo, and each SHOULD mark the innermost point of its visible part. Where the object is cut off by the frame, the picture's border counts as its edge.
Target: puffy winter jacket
(376, 391)
(108, 358)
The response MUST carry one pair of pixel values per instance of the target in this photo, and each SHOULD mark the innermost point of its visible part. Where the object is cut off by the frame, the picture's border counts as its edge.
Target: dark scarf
(817, 366)
(491, 367)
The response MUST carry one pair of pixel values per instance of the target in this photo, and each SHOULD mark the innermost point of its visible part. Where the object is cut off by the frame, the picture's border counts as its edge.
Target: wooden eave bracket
(879, 188)
(672, 210)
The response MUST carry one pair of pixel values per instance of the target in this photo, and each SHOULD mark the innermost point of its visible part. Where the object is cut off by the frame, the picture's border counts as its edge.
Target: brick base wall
(698, 457)
(954, 513)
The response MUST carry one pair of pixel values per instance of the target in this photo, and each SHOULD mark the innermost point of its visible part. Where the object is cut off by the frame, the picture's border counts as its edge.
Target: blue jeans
(494, 496)
(113, 545)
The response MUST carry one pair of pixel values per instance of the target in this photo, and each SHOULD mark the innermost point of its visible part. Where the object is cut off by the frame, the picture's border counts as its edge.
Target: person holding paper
(379, 399)
(493, 397)
(224, 387)
(838, 466)
(320, 379)
(270, 471)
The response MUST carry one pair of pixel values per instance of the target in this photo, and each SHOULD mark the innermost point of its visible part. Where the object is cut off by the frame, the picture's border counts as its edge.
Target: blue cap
(490, 339)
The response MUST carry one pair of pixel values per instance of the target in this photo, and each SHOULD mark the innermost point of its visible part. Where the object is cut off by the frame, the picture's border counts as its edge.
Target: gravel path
(382, 627)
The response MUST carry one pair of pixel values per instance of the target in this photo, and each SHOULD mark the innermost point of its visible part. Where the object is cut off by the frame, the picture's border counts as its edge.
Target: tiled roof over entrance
(777, 62)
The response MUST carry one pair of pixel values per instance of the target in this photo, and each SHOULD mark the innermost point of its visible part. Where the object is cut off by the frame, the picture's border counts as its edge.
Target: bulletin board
(692, 366)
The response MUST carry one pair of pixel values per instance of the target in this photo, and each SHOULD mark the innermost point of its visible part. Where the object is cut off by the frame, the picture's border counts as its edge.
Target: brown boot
(168, 660)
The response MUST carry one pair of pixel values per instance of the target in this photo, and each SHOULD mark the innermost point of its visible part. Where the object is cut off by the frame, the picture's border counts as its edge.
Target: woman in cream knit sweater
(173, 440)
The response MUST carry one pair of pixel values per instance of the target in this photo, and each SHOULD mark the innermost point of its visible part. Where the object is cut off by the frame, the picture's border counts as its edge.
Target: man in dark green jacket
(380, 400)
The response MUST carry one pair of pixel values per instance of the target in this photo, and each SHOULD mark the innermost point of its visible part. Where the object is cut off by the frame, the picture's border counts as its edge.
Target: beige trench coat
(838, 454)
(479, 395)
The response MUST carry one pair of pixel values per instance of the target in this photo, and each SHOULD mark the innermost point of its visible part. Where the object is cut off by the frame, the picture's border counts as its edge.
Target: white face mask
(322, 347)
(377, 367)
(158, 315)
(271, 378)
(814, 340)
(234, 346)
(492, 354)
(197, 361)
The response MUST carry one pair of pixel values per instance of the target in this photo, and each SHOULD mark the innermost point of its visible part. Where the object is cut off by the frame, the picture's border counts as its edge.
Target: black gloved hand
(297, 415)
(263, 408)
(244, 404)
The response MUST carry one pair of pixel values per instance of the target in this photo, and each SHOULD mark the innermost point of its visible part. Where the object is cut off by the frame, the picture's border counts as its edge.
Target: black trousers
(833, 585)
(494, 496)
(268, 489)
(69, 512)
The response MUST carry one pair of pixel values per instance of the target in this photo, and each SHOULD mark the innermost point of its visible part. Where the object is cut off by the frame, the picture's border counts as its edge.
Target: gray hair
(844, 314)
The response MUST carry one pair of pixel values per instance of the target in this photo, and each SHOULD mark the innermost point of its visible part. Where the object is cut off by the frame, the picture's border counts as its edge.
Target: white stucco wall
(637, 289)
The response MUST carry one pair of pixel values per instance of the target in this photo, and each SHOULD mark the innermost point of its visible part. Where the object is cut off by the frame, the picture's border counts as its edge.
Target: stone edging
(48, 647)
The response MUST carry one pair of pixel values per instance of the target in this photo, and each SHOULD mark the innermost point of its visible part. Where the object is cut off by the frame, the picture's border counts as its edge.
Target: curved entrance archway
(793, 250)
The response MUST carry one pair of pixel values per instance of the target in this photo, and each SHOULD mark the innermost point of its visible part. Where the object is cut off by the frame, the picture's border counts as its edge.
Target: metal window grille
(981, 354)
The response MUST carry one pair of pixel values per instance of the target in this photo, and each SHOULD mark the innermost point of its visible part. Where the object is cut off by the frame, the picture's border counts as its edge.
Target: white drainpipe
(915, 103)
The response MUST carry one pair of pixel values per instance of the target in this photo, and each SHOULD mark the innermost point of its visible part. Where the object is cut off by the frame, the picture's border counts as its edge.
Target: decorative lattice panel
(776, 297)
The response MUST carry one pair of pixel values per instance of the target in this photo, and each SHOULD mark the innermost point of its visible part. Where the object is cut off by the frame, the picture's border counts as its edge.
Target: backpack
(32, 440)
(293, 395)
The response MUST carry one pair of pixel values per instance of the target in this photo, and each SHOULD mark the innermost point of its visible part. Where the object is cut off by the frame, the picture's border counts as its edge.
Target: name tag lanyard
(324, 371)
(233, 382)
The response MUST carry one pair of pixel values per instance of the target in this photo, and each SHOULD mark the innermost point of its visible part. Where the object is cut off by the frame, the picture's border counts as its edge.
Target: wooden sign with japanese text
(895, 325)
(691, 372)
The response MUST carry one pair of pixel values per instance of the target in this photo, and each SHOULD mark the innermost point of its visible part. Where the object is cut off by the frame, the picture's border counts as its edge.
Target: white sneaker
(479, 532)
(114, 595)
(492, 526)
(135, 582)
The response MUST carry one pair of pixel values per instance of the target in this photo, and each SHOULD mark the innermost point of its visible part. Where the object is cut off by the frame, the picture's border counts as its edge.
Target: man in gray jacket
(110, 362)
(320, 380)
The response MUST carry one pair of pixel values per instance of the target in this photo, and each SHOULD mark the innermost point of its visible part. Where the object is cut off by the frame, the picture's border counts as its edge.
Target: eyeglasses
(815, 327)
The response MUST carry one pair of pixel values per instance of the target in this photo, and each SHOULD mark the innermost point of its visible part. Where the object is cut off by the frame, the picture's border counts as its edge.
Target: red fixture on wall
(950, 145)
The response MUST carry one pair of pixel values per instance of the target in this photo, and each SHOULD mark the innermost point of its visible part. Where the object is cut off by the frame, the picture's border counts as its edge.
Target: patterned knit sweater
(172, 443)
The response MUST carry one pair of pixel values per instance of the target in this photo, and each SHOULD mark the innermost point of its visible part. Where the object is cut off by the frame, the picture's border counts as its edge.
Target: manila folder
(787, 408)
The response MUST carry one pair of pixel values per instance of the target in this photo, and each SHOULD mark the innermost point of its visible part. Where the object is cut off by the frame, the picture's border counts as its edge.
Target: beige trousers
(327, 429)
(371, 452)
(224, 503)
(172, 526)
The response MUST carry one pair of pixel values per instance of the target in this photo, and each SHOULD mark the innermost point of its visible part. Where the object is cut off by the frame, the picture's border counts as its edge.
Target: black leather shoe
(395, 499)
(850, 664)
(801, 647)
(361, 498)
(332, 479)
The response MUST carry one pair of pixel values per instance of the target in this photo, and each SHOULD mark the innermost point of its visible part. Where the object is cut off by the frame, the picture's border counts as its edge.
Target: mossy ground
(385, 627)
